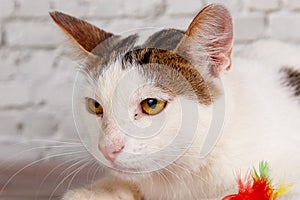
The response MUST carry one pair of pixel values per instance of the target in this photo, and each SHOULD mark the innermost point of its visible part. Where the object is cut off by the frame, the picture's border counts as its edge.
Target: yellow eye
(93, 106)
(153, 106)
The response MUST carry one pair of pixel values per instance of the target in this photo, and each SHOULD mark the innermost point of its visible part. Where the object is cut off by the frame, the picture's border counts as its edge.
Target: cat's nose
(111, 152)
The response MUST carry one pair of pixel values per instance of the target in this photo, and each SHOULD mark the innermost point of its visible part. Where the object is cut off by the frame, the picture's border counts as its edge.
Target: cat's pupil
(152, 103)
(96, 104)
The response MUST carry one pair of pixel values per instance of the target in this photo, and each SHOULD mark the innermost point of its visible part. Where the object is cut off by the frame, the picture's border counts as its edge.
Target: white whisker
(63, 180)
(34, 162)
(58, 166)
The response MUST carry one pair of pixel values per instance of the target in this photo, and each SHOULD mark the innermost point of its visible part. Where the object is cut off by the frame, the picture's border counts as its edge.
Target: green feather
(264, 172)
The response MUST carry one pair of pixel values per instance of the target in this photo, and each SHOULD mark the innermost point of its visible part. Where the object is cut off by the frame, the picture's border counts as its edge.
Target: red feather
(256, 187)
(252, 190)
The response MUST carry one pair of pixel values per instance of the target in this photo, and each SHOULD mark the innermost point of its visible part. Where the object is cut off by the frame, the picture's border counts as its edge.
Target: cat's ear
(84, 34)
(211, 31)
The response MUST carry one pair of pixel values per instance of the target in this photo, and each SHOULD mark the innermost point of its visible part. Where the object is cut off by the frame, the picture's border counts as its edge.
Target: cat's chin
(126, 173)
(118, 169)
(129, 175)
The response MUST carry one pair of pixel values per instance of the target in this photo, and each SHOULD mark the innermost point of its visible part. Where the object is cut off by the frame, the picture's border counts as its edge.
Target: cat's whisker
(190, 172)
(19, 154)
(164, 179)
(93, 166)
(52, 146)
(183, 156)
(65, 141)
(71, 166)
(75, 174)
(58, 166)
(76, 171)
(35, 162)
(94, 162)
(97, 169)
(167, 179)
(185, 169)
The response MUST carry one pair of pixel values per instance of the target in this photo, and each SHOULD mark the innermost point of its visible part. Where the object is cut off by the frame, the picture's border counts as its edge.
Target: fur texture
(157, 157)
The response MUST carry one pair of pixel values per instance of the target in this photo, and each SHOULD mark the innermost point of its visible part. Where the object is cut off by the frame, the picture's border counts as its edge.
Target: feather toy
(258, 186)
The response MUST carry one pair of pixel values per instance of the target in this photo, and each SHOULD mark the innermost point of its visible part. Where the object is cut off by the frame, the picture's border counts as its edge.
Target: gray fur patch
(115, 47)
(166, 39)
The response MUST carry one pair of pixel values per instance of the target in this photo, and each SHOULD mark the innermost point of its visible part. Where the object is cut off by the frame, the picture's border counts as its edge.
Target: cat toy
(258, 186)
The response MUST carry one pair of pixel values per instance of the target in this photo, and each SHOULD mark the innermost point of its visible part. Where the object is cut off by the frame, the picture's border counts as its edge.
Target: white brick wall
(31, 8)
(14, 94)
(249, 26)
(265, 5)
(293, 4)
(36, 82)
(285, 26)
(34, 33)
(177, 7)
(7, 7)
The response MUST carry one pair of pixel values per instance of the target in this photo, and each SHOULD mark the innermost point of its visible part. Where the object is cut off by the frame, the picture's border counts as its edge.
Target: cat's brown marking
(171, 72)
(292, 79)
(86, 35)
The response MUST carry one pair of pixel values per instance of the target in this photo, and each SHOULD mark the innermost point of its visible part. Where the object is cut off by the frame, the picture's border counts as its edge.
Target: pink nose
(111, 152)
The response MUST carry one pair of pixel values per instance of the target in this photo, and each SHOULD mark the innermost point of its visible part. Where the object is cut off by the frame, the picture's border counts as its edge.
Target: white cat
(175, 118)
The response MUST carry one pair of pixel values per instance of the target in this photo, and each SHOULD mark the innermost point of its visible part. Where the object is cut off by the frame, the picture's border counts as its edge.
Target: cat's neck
(178, 182)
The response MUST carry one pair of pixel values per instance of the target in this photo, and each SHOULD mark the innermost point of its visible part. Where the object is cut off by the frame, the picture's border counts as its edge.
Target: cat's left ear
(211, 32)
(82, 33)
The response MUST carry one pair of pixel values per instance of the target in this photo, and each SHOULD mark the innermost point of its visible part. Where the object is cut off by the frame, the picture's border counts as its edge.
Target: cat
(145, 110)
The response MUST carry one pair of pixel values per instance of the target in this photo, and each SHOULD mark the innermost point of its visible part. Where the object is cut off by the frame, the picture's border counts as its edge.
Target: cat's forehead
(125, 66)
(116, 47)
(165, 78)
(116, 81)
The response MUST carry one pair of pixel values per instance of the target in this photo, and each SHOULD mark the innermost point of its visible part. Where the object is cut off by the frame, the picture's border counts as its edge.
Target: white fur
(262, 123)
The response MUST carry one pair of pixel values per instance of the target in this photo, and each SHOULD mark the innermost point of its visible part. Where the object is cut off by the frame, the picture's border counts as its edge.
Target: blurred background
(36, 81)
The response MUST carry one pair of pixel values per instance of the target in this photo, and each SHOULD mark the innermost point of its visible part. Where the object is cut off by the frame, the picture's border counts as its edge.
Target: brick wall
(36, 81)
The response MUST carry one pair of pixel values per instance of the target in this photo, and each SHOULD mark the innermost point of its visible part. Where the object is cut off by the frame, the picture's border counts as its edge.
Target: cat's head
(144, 107)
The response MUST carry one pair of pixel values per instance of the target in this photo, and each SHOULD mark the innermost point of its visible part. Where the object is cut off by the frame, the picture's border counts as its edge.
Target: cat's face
(141, 108)
(132, 123)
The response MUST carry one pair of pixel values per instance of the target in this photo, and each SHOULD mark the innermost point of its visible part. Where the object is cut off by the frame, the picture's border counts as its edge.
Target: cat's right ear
(82, 33)
(211, 32)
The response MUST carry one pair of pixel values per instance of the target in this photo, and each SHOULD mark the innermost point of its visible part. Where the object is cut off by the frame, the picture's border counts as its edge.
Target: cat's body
(262, 115)
(263, 119)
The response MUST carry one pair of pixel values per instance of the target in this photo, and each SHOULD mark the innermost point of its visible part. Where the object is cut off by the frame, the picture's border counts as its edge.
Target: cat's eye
(94, 106)
(152, 106)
